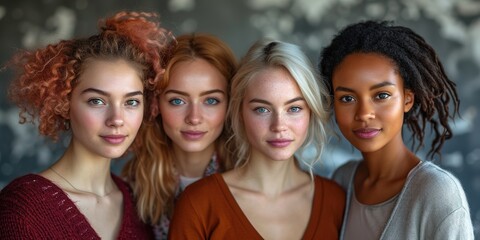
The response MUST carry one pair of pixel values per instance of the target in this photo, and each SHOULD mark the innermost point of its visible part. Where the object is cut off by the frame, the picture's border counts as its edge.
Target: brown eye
(383, 96)
(347, 99)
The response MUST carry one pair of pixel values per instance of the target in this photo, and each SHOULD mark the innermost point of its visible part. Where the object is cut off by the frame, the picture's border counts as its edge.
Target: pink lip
(114, 139)
(193, 135)
(366, 133)
(279, 143)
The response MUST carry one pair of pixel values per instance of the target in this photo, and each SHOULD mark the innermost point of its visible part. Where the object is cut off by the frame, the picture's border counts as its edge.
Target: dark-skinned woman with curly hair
(382, 77)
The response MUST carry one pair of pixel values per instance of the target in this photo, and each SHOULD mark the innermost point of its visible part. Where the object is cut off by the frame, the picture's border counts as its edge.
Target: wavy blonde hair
(152, 172)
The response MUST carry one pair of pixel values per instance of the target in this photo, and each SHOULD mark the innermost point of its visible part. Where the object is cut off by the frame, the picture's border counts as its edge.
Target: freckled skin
(194, 105)
(270, 116)
(101, 109)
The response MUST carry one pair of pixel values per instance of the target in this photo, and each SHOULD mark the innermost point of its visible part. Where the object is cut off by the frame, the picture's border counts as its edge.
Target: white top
(185, 181)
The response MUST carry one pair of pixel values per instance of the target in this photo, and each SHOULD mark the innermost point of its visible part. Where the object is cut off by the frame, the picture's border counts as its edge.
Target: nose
(115, 117)
(278, 123)
(364, 111)
(194, 115)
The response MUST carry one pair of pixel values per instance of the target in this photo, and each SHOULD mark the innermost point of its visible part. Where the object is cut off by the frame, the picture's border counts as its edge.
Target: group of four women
(234, 134)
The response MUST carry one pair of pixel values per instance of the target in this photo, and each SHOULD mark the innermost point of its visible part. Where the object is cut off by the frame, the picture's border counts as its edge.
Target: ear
(409, 100)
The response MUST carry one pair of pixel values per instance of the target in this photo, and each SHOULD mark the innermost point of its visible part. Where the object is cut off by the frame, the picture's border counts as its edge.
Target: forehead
(273, 82)
(194, 74)
(365, 66)
(366, 60)
(103, 73)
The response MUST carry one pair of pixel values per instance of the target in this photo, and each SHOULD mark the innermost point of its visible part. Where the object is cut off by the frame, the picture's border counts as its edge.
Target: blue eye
(133, 103)
(261, 110)
(295, 109)
(347, 99)
(96, 101)
(212, 101)
(176, 101)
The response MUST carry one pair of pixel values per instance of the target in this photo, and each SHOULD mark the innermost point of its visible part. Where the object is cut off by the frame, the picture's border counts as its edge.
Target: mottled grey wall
(452, 27)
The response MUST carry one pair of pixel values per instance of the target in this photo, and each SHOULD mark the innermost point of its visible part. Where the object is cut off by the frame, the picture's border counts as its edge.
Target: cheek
(82, 119)
(303, 123)
(170, 118)
(254, 126)
(136, 118)
(301, 126)
(342, 115)
(216, 116)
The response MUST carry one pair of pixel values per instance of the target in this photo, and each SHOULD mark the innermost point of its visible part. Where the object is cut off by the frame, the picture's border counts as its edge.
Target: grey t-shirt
(366, 222)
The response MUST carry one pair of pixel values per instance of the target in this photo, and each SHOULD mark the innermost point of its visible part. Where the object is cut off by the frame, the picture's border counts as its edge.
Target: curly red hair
(46, 77)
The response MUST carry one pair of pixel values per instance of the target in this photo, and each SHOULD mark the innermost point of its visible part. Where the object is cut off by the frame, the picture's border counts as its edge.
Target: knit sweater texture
(33, 207)
(431, 205)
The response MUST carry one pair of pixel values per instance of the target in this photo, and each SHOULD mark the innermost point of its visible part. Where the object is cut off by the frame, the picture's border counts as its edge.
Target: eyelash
(216, 101)
(295, 107)
(383, 93)
(96, 101)
(208, 101)
(99, 101)
(177, 100)
(265, 110)
(261, 110)
(135, 101)
(377, 97)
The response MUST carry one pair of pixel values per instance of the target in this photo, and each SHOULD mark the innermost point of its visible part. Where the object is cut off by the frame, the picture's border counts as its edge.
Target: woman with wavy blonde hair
(187, 140)
(100, 89)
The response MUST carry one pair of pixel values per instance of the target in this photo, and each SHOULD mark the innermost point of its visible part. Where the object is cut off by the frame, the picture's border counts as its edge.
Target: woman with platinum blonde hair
(277, 108)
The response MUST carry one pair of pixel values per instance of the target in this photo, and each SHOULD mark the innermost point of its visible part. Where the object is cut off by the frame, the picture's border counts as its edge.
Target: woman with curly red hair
(101, 89)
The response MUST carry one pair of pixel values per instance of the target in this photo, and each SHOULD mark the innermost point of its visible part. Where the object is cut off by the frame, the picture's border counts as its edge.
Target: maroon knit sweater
(32, 207)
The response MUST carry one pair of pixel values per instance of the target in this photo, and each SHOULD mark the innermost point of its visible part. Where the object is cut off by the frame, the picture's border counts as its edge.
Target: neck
(85, 173)
(396, 164)
(272, 177)
(192, 164)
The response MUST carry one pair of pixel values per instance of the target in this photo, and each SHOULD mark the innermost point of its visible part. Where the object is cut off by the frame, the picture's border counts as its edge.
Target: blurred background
(452, 27)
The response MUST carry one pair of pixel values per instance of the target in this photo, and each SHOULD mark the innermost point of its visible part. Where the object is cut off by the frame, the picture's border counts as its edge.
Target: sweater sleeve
(186, 223)
(14, 223)
(457, 225)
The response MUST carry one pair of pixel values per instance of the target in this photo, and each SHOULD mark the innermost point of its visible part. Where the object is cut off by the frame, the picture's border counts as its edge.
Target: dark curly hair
(418, 65)
(46, 77)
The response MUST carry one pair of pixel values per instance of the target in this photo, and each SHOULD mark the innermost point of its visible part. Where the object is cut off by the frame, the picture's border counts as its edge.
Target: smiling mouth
(366, 133)
(114, 139)
(193, 135)
(280, 143)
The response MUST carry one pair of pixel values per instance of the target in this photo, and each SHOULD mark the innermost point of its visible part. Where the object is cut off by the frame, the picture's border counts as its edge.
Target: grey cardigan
(431, 205)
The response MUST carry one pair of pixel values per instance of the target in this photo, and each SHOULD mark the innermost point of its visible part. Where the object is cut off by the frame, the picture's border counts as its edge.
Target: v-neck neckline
(82, 225)
(315, 212)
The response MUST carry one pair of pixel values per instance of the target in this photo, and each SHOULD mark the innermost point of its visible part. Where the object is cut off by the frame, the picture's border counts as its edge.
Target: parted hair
(152, 173)
(265, 54)
(418, 65)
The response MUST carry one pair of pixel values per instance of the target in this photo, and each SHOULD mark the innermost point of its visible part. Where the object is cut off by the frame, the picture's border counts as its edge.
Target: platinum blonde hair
(268, 53)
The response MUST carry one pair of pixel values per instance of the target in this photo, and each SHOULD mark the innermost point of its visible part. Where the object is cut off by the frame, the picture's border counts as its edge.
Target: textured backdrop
(452, 27)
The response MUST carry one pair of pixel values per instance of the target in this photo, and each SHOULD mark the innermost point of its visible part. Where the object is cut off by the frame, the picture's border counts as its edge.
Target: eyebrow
(130, 94)
(257, 100)
(380, 85)
(201, 94)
